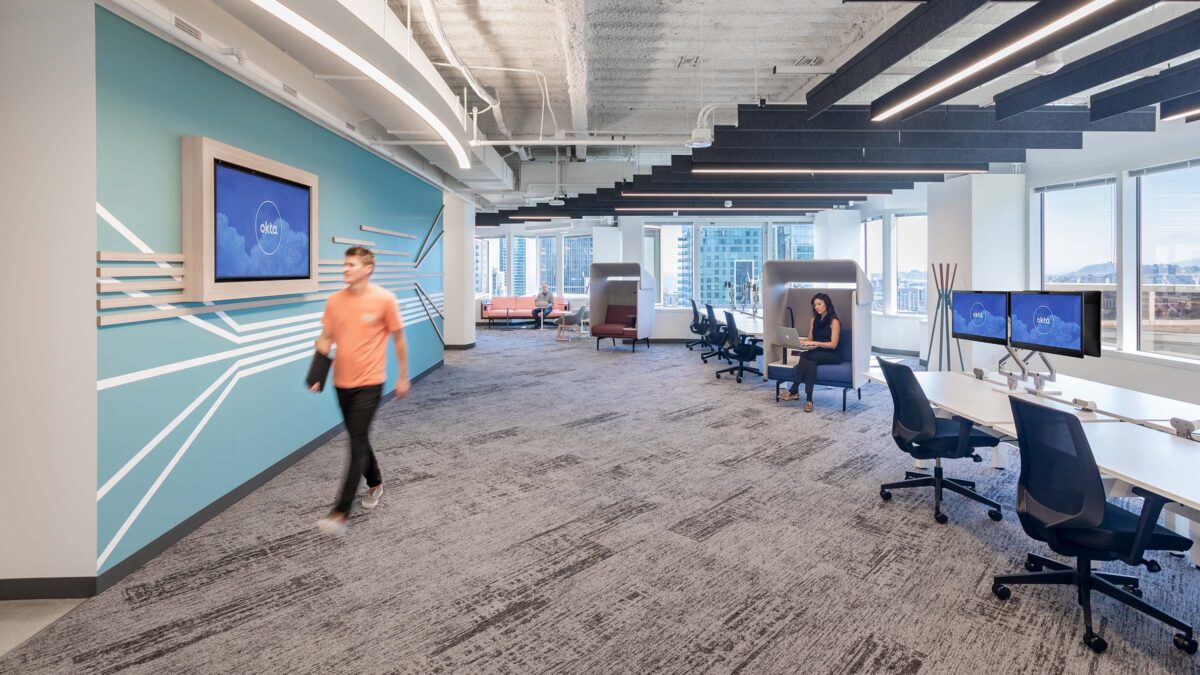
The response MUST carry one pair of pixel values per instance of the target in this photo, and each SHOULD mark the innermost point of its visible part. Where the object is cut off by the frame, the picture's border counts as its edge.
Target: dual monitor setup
(1066, 323)
(1050, 322)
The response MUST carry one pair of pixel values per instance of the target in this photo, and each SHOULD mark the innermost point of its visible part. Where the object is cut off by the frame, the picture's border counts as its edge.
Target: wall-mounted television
(981, 316)
(1065, 323)
(250, 224)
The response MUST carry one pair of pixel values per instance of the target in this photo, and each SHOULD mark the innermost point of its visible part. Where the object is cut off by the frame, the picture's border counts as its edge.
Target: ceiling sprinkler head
(728, 203)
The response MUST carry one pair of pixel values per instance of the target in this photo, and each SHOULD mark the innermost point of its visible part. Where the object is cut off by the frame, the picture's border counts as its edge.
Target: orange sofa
(509, 308)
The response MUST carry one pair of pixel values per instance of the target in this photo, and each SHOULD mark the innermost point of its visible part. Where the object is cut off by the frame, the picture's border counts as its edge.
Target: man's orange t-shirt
(360, 325)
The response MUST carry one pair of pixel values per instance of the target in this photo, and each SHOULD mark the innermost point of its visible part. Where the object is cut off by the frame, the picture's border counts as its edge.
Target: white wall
(47, 266)
(838, 234)
(458, 261)
(978, 222)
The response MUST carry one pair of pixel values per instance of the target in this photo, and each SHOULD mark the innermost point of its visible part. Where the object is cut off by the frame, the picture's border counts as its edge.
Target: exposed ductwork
(435, 27)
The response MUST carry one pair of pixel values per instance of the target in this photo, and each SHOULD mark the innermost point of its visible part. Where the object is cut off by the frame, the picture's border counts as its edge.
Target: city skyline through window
(1079, 247)
(1169, 232)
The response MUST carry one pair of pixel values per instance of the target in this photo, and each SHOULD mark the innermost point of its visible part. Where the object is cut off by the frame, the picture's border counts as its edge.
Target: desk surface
(1161, 463)
(748, 325)
(978, 400)
(1129, 405)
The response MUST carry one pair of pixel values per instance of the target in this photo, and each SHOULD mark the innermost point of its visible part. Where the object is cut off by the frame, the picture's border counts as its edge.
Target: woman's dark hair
(830, 312)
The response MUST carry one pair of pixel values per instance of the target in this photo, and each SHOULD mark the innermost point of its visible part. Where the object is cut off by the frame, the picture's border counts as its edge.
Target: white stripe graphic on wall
(137, 511)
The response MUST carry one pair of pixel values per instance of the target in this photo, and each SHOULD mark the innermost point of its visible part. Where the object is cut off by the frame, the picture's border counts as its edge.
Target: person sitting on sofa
(543, 305)
(824, 331)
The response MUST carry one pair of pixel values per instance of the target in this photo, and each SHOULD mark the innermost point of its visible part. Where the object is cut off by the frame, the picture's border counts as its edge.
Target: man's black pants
(358, 409)
(545, 314)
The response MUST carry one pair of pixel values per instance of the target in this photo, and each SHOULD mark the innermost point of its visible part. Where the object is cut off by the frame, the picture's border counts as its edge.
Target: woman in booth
(824, 330)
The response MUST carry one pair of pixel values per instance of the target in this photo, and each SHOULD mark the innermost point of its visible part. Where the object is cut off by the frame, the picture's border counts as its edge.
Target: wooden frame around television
(199, 223)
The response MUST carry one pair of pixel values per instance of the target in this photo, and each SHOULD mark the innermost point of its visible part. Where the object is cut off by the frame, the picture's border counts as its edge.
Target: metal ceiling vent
(187, 28)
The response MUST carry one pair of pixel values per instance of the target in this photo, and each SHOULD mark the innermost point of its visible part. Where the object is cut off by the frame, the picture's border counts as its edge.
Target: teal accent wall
(149, 95)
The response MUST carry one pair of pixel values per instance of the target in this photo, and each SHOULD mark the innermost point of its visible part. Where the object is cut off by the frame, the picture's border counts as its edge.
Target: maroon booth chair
(620, 323)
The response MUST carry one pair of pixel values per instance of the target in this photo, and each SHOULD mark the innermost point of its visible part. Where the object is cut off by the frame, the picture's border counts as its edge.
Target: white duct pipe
(435, 26)
(560, 142)
(232, 60)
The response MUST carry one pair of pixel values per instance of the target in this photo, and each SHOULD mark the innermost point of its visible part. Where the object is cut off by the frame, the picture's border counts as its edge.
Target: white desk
(747, 325)
(1164, 464)
(979, 401)
(1124, 404)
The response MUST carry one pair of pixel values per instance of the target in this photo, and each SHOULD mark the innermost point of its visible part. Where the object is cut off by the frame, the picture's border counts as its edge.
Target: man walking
(358, 319)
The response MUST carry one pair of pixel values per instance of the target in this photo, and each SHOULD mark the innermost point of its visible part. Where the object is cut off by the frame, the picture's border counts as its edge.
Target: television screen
(262, 228)
(1048, 322)
(980, 316)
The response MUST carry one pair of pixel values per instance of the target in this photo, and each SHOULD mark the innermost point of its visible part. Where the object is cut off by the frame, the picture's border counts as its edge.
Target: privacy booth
(787, 306)
(621, 303)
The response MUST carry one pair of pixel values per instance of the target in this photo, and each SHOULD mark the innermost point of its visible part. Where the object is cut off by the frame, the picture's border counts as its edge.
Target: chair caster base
(885, 495)
(1094, 642)
(1187, 644)
(1001, 591)
(941, 518)
(1132, 590)
(1031, 566)
(995, 515)
(1152, 566)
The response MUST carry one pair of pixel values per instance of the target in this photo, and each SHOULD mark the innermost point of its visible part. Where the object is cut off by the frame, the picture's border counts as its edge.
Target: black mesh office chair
(1061, 501)
(925, 436)
(741, 348)
(715, 338)
(699, 328)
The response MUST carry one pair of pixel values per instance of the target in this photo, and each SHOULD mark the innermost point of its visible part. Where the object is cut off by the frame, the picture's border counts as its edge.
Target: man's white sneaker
(371, 499)
(333, 525)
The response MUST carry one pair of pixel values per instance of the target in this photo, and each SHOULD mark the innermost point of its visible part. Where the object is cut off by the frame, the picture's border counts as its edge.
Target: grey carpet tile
(554, 509)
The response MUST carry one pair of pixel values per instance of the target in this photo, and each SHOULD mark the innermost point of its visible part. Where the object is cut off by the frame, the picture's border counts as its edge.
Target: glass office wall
(667, 253)
(577, 263)
(1169, 234)
(910, 234)
(1079, 246)
(547, 263)
(728, 256)
(873, 241)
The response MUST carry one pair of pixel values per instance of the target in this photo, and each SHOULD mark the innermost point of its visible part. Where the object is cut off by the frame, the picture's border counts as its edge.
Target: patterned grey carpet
(550, 508)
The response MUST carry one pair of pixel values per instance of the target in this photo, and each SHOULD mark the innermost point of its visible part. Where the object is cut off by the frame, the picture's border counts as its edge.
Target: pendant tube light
(786, 170)
(855, 196)
(1047, 26)
(1177, 108)
(331, 44)
(716, 210)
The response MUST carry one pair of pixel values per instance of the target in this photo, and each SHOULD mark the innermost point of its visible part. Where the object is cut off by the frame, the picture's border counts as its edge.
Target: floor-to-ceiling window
(667, 253)
(547, 248)
(791, 241)
(490, 265)
(873, 241)
(525, 266)
(1079, 245)
(910, 237)
(577, 263)
(728, 257)
(1169, 236)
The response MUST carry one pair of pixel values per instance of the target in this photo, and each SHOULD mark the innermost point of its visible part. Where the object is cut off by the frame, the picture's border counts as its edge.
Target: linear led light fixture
(1176, 108)
(352, 58)
(516, 216)
(995, 57)
(837, 170)
(857, 196)
(720, 209)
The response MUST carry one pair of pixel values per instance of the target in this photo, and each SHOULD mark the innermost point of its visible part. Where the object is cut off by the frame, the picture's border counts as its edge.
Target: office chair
(699, 328)
(924, 436)
(715, 337)
(1061, 501)
(742, 348)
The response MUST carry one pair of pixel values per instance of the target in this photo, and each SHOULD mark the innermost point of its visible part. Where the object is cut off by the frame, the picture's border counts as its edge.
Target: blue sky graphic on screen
(980, 314)
(262, 226)
(1047, 320)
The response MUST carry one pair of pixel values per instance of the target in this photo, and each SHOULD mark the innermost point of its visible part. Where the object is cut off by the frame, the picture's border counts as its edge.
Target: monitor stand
(1039, 379)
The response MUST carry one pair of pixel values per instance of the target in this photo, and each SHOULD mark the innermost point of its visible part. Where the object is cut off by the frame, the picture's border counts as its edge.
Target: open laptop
(791, 339)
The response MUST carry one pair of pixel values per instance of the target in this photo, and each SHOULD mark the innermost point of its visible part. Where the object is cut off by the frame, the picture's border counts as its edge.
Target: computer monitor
(1064, 323)
(981, 316)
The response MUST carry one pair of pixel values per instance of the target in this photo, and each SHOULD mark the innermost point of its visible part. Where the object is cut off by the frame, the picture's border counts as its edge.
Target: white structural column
(458, 248)
(978, 222)
(47, 267)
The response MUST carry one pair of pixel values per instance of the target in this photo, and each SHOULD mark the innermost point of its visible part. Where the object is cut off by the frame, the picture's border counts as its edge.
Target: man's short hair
(363, 253)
